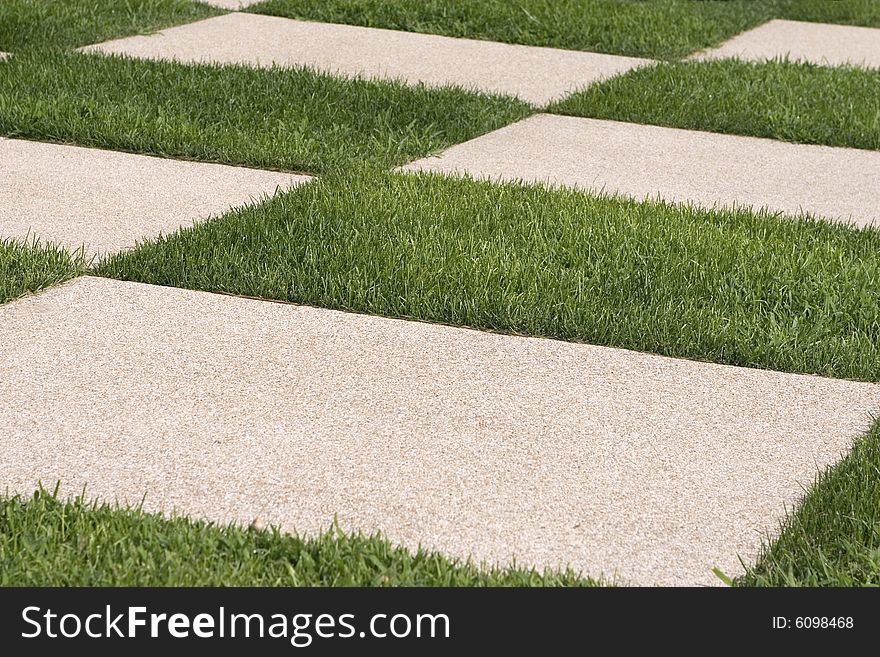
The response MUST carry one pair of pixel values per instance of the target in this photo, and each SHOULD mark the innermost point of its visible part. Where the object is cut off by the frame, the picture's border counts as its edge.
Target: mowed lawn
(288, 119)
(44, 24)
(790, 101)
(47, 541)
(27, 267)
(659, 29)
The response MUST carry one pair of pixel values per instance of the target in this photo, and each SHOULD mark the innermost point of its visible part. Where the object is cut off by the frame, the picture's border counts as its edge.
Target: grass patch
(796, 102)
(661, 29)
(29, 267)
(730, 287)
(26, 24)
(45, 541)
(846, 12)
(289, 119)
(833, 537)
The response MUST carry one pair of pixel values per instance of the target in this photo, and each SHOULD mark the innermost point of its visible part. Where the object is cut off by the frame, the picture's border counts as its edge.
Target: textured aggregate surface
(107, 201)
(832, 45)
(645, 161)
(231, 4)
(537, 75)
(648, 469)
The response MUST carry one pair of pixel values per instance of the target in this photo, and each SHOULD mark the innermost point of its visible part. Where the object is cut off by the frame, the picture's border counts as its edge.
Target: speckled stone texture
(231, 4)
(648, 469)
(537, 75)
(107, 201)
(644, 161)
(830, 45)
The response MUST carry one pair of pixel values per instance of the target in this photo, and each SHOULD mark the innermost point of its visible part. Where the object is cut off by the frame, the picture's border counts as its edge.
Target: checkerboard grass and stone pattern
(612, 346)
(532, 74)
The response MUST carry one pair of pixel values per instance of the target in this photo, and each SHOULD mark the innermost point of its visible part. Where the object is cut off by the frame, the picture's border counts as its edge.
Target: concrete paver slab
(107, 201)
(831, 45)
(677, 165)
(231, 4)
(648, 468)
(537, 75)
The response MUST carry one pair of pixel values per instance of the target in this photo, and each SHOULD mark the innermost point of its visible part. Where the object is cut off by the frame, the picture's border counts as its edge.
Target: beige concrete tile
(538, 75)
(818, 43)
(677, 165)
(107, 201)
(232, 5)
(648, 468)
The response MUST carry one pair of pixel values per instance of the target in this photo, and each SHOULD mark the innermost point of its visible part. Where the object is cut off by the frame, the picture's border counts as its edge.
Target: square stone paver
(537, 75)
(644, 161)
(107, 201)
(231, 4)
(650, 469)
(831, 45)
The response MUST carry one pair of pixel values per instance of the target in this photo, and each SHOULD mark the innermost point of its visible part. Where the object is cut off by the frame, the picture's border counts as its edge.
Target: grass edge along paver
(106, 201)
(728, 286)
(828, 539)
(62, 24)
(789, 101)
(831, 537)
(29, 266)
(717, 453)
(824, 44)
(660, 29)
(683, 166)
(206, 113)
(536, 75)
(46, 540)
(816, 547)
